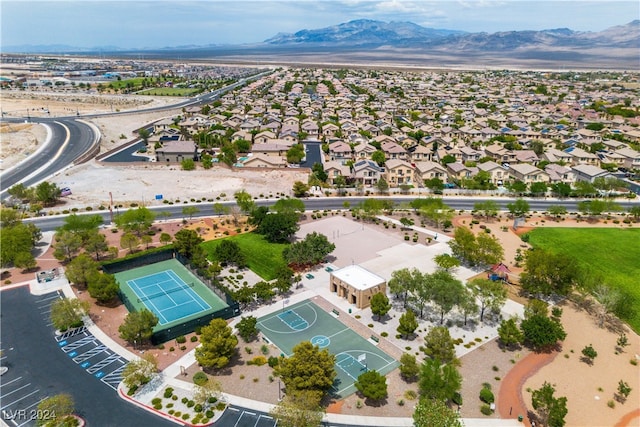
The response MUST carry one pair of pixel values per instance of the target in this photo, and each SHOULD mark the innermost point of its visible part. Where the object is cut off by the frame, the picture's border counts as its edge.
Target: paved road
(206, 209)
(40, 367)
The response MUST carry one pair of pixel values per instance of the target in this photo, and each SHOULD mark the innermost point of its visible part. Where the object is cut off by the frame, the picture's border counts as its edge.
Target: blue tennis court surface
(167, 296)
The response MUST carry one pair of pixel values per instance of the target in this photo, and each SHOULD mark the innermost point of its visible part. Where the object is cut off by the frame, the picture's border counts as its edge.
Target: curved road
(70, 138)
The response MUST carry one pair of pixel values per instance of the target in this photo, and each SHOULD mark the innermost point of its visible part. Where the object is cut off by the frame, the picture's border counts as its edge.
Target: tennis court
(305, 321)
(168, 290)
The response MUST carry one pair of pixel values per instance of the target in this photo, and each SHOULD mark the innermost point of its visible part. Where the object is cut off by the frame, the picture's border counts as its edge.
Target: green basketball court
(305, 321)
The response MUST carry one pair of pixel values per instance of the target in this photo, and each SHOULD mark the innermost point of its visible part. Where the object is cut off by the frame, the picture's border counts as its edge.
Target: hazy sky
(161, 23)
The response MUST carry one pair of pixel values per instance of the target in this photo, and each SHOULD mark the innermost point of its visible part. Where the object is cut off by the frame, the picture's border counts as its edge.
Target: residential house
(334, 169)
(528, 173)
(339, 150)
(588, 173)
(363, 150)
(177, 151)
(581, 157)
(458, 171)
(559, 173)
(428, 170)
(367, 172)
(261, 160)
(497, 173)
(631, 158)
(263, 137)
(393, 150)
(270, 149)
(420, 153)
(398, 172)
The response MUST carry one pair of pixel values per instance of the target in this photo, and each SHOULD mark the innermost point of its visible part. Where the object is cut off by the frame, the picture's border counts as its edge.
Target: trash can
(520, 418)
(349, 311)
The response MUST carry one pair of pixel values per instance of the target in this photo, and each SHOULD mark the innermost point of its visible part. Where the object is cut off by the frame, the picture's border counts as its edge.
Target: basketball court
(305, 321)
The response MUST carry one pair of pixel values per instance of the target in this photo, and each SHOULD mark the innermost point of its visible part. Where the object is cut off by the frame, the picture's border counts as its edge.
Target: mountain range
(365, 41)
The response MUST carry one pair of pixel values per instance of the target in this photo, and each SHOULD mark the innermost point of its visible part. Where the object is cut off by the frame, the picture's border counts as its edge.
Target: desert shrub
(168, 392)
(156, 400)
(486, 395)
(200, 378)
(272, 361)
(258, 361)
(486, 409)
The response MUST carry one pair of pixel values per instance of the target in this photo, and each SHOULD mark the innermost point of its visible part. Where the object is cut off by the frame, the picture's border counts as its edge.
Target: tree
(548, 273)
(228, 252)
(542, 333)
(551, 410)
(66, 245)
(382, 185)
(279, 227)
(438, 381)
(379, 157)
(557, 210)
(203, 394)
(55, 410)
(372, 385)
(589, 354)
(247, 328)
(82, 225)
(81, 270)
(144, 135)
(103, 287)
(299, 408)
(190, 211)
(488, 208)
(288, 206)
(308, 368)
(47, 193)
(407, 323)
(509, 333)
(561, 189)
(584, 189)
(96, 243)
(491, 295)
(137, 221)
(300, 189)
(409, 368)
(129, 241)
(139, 371)
(295, 154)
(217, 345)
(138, 326)
(309, 251)
(244, 201)
(446, 262)
(538, 188)
(438, 344)
(380, 305)
(488, 250)
(434, 184)
(435, 413)
(220, 209)
(165, 238)
(186, 242)
(463, 244)
(445, 291)
(15, 238)
(68, 312)
(519, 208)
(403, 282)
(25, 261)
(517, 187)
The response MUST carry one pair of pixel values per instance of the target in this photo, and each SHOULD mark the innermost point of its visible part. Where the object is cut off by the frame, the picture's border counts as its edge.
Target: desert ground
(588, 388)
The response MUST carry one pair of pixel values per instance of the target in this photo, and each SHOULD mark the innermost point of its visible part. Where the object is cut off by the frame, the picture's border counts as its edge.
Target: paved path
(510, 401)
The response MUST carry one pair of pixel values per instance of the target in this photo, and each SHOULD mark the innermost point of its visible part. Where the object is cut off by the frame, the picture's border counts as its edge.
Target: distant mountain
(406, 34)
(364, 31)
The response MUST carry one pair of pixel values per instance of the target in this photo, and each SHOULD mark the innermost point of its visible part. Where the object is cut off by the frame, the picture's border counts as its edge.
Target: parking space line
(9, 382)
(22, 398)
(89, 354)
(18, 389)
(105, 362)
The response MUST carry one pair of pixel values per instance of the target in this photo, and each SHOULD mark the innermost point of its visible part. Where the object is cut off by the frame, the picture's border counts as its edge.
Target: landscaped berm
(305, 321)
(175, 295)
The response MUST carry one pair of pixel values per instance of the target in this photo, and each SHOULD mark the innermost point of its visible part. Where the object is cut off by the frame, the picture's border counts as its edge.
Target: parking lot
(41, 364)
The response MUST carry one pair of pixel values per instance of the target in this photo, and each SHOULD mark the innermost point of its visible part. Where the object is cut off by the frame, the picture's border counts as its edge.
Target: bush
(209, 414)
(181, 339)
(273, 361)
(190, 404)
(457, 398)
(194, 338)
(486, 395)
(168, 393)
(186, 416)
(486, 409)
(200, 378)
(258, 361)
(184, 400)
(197, 408)
(156, 400)
(384, 334)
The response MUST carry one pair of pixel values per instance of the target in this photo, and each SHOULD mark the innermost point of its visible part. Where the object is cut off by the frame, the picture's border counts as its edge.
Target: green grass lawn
(610, 253)
(169, 91)
(263, 258)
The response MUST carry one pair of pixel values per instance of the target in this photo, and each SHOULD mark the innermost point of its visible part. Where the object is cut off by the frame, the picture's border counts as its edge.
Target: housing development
(307, 246)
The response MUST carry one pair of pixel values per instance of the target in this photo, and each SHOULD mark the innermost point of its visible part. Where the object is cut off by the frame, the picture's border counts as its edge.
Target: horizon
(164, 23)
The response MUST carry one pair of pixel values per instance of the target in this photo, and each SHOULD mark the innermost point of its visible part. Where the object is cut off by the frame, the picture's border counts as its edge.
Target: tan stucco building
(356, 284)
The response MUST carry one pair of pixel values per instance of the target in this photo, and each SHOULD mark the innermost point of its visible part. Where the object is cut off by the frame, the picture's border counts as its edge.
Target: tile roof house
(333, 169)
(528, 173)
(459, 171)
(559, 173)
(367, 172)
(498, 173)
(429, 170)
(398, 172)
(339, 150)
(588, 173)
(261, 160)
(176, 151)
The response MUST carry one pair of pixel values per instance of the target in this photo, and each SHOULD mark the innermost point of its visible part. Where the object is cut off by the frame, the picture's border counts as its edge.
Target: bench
(336, 312)
(375, 339)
